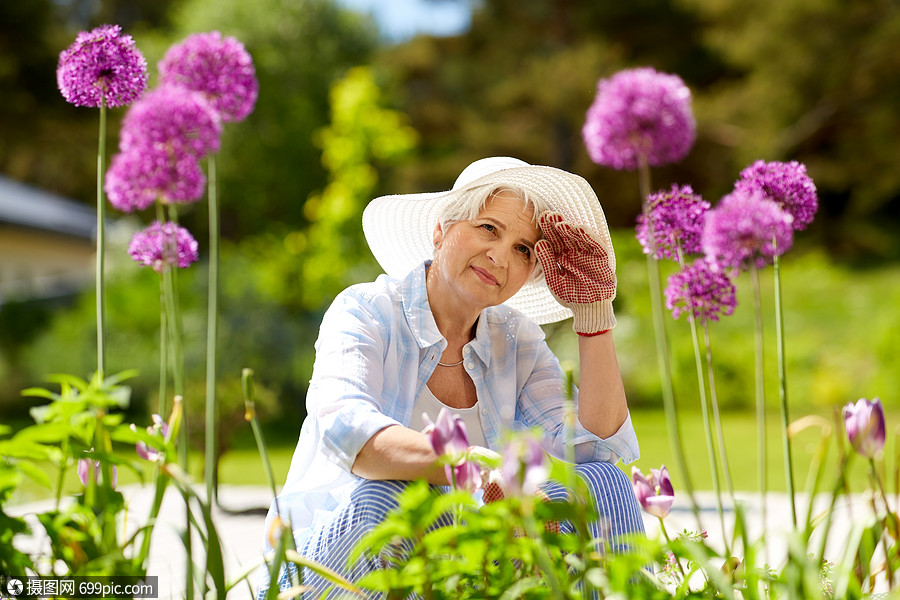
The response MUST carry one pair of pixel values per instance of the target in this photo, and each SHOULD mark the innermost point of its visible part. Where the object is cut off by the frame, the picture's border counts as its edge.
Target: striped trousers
(369, 502)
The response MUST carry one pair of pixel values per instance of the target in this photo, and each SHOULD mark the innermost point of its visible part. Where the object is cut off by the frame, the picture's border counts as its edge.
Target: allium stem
(101, 245)
(704, 409)
(163, 350)
(211, 472)
(760, 394)
(782, 384)
(662, 350)
(715, 408)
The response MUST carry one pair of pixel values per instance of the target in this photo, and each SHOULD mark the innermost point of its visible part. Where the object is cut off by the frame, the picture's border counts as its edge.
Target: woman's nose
(499, 255)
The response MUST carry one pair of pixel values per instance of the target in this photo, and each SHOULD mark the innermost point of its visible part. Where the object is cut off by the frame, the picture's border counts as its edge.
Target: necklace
(456, 364)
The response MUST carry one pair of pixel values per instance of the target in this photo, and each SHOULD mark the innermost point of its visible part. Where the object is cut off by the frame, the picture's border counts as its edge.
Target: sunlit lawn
(242, 465)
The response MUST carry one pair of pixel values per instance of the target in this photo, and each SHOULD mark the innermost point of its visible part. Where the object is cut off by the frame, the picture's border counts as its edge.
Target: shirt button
(484, 411)
(467, 350)
(470, 365)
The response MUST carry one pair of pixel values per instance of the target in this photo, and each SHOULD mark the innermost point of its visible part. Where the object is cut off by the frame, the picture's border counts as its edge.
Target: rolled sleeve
(346, 387)
(542, 404)
(623, 444)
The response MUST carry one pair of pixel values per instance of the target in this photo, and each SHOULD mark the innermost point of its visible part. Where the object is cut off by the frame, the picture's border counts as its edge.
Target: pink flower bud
(654, 493)
(864, 421)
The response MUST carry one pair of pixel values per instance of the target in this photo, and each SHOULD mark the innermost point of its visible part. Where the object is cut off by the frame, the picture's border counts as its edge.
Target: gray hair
(468, 203)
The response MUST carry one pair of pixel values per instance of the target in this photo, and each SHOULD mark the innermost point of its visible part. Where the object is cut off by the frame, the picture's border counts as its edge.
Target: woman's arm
(397, 452)
(602, 407)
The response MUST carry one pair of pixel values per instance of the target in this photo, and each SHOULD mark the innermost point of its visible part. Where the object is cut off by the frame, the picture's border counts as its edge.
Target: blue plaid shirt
(378, 346)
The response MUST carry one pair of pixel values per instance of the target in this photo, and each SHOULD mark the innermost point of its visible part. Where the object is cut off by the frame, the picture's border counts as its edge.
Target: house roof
(27, 206)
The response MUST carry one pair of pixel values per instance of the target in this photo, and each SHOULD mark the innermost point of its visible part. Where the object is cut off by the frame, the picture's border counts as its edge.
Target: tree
(269, 164)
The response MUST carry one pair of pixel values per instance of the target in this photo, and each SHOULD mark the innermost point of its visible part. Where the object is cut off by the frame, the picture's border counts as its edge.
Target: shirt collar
(414, 297)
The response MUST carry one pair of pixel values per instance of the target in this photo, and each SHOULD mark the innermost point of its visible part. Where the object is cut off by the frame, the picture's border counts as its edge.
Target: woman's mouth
(485, 276)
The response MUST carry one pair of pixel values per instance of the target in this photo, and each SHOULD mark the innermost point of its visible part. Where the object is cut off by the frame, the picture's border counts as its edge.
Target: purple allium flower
(163, 244)
(448, 437)
(865, 426)
(171, 118)
(524, 468)
(102, 66)
(785, 183)
(640, 112)
(676, 218)
(136, 179)
(745, 228)
(703, 290)
(654, 493)
(88, 468)
(219, 68)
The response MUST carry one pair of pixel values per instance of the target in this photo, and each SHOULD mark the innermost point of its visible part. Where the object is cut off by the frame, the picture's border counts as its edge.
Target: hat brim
(399, 227)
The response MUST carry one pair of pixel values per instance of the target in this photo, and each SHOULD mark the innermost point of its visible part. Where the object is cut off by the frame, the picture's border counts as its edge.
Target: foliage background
(345, 115)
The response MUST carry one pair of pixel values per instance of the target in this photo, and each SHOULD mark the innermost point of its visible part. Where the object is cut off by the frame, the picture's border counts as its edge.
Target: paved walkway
(240, 528)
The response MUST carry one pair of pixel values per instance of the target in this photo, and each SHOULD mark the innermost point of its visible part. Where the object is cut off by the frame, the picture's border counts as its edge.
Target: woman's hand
(578, 271)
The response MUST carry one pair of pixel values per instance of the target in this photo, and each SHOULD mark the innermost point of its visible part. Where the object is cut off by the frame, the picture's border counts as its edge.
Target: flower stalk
(782, 385)
(662, 350)
(704, 411)
(101, 245)
(760, 394)
(211, 471)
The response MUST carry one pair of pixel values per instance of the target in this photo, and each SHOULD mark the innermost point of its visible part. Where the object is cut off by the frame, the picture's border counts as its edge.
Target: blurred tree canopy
(793, 80)
(808, 80)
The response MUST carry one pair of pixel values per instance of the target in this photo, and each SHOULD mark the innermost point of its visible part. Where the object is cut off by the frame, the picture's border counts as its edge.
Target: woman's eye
(525, 250)
(488, 227)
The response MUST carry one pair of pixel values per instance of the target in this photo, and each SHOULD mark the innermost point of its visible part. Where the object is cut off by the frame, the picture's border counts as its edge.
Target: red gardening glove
(493, 493)
(579, 272)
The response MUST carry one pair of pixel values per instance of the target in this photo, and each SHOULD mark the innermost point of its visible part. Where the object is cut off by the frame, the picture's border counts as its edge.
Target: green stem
(760, 395)
(888, 515)
(723, 455)
(287, 535)
(101, 245)
(662, 350)
(662, 528)
(782, 388)
(163, 350)
(704, 411)
(212, 315)
(160, 481)
(174, 322)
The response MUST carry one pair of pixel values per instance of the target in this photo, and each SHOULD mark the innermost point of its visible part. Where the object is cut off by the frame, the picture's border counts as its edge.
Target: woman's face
(486, 261)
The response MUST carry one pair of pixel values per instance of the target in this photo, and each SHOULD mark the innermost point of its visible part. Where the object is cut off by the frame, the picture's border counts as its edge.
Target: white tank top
(428, 403)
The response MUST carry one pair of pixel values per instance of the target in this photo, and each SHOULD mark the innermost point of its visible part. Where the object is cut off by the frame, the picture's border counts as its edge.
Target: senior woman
(471, 274)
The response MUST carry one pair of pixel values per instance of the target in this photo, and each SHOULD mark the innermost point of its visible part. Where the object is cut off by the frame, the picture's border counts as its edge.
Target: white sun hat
(399, 227)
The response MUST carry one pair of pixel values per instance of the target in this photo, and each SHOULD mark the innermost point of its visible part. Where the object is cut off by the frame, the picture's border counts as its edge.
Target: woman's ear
(438, 235)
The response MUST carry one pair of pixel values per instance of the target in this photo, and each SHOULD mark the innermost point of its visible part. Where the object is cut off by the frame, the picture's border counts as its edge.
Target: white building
(47, 243)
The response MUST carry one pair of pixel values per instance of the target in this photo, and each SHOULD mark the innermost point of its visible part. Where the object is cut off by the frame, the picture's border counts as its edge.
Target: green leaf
(323, 571)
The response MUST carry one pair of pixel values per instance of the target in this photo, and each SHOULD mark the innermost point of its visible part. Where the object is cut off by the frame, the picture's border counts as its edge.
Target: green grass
(243, 466)
(740, 432)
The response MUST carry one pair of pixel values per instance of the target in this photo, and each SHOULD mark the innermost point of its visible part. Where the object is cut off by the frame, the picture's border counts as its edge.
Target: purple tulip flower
(159, 427)
(86, 467)
(467, 476)
(655, 493)
(864, 421)
(524, 468)
(448, 438)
